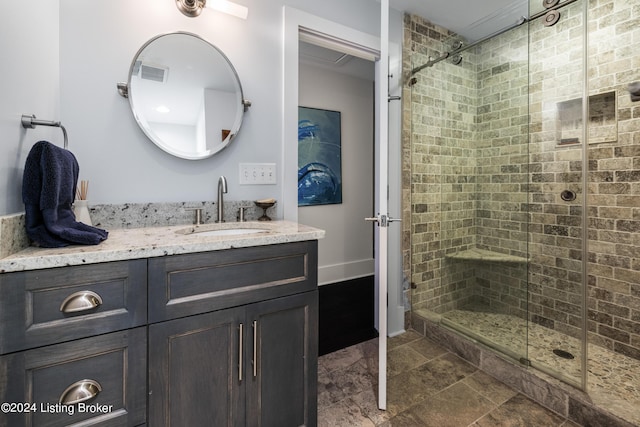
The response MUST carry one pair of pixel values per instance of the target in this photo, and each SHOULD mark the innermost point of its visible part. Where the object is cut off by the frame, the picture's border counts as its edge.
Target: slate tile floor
(427, 386)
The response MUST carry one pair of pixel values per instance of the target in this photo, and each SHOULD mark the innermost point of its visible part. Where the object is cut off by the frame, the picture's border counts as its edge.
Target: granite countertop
(146, 242)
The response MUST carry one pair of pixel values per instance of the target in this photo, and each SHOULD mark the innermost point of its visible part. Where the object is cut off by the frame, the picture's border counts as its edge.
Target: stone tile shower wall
(614, 181)
(469, 172)
(481, 199)
(502, 170)
(556, 290)
(438, 122)
(613, 193)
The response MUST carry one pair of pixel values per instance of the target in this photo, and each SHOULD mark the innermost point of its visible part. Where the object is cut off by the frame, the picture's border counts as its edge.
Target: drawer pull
(80, 301)
(240, 353)
(80, 391)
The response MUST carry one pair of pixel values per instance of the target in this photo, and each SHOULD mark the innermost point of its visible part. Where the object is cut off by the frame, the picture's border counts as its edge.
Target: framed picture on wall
(319, 157)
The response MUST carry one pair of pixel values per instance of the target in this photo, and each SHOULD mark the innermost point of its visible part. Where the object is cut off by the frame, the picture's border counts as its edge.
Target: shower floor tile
(613, 379)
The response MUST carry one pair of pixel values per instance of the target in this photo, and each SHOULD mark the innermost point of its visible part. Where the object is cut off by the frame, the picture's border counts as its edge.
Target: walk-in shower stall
(522, 190)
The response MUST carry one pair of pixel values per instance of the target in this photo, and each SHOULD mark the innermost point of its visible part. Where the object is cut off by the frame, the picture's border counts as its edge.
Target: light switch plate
(257, 173)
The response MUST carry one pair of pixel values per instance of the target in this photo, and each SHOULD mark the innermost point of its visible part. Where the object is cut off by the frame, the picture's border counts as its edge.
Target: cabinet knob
(80, 301)
(80, 391)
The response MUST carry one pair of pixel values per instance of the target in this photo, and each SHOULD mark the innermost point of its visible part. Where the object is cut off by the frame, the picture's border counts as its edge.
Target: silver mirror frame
(124, 89)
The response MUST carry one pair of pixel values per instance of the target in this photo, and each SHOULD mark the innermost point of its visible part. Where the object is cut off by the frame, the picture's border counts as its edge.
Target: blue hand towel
(48, 192)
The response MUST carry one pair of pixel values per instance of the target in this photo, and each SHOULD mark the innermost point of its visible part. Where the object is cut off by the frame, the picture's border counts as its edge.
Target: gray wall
(29, 84)
(64, 63)
(347, 250)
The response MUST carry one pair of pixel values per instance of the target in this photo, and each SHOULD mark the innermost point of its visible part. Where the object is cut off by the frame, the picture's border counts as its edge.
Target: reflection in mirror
(185, 95)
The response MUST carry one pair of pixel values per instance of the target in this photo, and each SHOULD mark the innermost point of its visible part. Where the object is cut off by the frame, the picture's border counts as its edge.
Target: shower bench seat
(477, 254)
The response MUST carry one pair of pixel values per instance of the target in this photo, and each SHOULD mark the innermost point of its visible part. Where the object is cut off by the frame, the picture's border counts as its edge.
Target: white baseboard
(346, 271)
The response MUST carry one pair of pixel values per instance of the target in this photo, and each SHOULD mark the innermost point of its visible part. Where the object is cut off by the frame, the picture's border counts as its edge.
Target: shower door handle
(383, 220)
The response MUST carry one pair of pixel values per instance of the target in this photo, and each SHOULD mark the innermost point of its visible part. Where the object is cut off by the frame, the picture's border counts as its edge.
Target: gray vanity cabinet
(73, 345)
(234, 341)
(282, 372)
(51, 378)
(193, 371)
(41, 307)
(220, 338)
(252, 365)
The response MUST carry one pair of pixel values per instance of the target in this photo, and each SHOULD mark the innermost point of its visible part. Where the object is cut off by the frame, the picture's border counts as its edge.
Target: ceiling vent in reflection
(150, 72)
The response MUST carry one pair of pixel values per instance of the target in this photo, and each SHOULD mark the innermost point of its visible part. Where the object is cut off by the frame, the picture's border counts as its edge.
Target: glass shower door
(485, 210)
(469, 189)
(558, 149)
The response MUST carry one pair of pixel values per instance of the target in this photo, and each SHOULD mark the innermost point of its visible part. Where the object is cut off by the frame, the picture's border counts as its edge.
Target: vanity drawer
(183, 285)
(116, 362)
(100, 298)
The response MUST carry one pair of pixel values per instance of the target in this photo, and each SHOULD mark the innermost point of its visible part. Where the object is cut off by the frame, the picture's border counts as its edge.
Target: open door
(338, 37)
(382, 219)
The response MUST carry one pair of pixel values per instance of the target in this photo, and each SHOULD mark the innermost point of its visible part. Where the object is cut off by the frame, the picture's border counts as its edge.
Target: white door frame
(294, 20)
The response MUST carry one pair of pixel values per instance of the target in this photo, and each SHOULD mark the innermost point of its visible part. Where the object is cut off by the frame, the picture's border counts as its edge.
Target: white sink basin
(230, 232)
(222, 230)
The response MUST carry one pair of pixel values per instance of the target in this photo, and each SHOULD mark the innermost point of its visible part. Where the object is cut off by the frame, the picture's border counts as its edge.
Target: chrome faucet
(222, 188)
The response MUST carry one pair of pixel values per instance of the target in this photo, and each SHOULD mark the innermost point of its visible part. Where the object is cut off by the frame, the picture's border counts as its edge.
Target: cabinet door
(195, 365)
(59, 380)
(282, 374)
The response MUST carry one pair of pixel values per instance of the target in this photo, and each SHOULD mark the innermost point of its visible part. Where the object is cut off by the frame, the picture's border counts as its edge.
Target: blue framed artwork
(319, 157)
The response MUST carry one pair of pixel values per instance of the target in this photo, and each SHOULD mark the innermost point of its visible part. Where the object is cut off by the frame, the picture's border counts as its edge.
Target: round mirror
(185, 95)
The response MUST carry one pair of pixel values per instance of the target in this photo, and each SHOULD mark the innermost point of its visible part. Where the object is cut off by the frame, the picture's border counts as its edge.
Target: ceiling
(473, 19)
(336, 61)
(481, 18)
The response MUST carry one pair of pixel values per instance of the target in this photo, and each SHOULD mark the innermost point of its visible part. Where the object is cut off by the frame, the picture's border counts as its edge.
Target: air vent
(150, 72)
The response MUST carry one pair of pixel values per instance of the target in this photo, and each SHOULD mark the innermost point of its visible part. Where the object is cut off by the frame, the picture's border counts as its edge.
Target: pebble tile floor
(426, 386)
(613, 379)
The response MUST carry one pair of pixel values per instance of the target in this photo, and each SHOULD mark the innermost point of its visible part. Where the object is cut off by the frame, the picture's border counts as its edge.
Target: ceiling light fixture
(192, 8)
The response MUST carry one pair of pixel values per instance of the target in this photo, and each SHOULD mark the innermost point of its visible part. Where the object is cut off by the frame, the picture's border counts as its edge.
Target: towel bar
(29, 121)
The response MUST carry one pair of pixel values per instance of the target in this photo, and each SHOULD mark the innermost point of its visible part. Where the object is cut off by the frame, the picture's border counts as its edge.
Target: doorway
(296, 21)
(340, 86)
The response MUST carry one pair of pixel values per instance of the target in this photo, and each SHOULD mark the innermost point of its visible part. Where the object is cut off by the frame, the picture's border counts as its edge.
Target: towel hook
(29, 121)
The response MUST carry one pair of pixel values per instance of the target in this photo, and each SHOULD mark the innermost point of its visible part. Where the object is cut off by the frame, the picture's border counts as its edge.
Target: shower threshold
(503, 327)
(613, 379)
